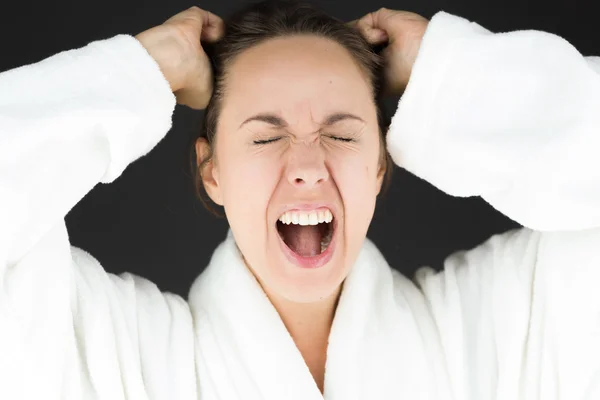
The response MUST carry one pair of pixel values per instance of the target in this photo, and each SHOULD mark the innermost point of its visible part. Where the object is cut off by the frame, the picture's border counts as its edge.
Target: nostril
(307, 179)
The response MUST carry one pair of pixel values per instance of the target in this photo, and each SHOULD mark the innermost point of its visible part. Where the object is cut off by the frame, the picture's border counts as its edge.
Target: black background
(148, 222)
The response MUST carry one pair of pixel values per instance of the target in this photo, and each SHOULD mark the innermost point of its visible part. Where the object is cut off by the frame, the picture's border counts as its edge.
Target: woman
(296, 303)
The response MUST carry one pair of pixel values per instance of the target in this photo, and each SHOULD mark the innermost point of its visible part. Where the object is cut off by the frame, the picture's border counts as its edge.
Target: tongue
(303, 240)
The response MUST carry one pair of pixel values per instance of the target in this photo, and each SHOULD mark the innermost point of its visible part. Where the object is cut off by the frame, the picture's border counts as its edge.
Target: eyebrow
(279, 122)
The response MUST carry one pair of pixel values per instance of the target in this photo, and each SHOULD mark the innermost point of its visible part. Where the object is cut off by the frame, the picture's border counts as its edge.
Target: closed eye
(341, 139)
(266, 141)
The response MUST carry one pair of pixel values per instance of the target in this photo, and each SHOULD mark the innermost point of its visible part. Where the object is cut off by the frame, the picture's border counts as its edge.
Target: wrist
(160, 48)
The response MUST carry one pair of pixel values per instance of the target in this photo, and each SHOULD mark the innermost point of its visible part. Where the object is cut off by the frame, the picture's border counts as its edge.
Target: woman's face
(297, 134)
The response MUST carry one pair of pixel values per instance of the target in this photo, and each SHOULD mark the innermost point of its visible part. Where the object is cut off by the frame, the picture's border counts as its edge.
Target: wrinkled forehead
(297, 76)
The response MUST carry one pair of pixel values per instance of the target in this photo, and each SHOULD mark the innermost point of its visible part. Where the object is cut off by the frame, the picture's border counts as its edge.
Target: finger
(376, 36)
(375, 22)
(210, 25)
(213, 28)
(371, 34)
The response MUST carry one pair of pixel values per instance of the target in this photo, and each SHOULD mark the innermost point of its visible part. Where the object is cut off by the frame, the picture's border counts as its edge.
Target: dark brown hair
(267, 19)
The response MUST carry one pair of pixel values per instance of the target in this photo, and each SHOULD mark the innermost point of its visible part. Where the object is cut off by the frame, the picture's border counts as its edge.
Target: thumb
(213, 28)
(210, 26)
(373, 35)
(379, 23)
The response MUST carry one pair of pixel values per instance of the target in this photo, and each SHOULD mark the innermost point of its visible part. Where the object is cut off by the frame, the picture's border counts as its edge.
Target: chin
(305, 256)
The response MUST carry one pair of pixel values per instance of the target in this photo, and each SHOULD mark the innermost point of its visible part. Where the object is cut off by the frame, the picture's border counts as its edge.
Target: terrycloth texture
(383, 343)
(512, 117)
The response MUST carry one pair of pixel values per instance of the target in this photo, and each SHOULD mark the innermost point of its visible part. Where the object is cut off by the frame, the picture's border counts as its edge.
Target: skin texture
(301, 80)
(254, 182)
(403, 31)
(176, 47)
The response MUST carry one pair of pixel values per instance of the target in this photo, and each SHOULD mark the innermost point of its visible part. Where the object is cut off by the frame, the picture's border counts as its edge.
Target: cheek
(356, 179)
(247, 184)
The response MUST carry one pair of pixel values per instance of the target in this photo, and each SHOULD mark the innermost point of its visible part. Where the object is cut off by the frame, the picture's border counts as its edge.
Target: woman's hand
(403, 31)
(175, 45)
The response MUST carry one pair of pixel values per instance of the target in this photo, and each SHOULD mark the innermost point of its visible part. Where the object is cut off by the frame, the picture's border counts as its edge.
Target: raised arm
(512, 117)
(515, 118)
(67, 123)
(82, 116)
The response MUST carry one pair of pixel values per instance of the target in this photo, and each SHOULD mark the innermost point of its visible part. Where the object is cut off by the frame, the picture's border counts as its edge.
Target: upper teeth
(313, 217)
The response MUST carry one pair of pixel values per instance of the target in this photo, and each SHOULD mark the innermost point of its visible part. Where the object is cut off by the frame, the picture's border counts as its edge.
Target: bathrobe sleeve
(514, 118)
(68, 329)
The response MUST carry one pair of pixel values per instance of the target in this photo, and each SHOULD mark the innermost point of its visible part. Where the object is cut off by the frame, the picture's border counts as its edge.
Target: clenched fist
(403, 31)
(176, 47)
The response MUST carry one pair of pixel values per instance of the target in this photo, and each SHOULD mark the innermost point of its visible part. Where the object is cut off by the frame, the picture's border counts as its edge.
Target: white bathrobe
(512, 117)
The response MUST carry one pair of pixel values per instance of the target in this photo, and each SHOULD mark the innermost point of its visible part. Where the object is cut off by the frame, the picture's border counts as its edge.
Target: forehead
(296, 75)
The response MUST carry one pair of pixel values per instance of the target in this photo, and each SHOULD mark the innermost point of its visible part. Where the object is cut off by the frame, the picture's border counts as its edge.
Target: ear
(209, 173)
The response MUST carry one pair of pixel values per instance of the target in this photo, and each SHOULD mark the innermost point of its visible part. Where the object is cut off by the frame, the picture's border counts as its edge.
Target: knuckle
(196, 10)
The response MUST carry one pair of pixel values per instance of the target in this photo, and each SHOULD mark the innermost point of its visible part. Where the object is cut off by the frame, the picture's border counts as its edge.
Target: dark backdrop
(148, 222)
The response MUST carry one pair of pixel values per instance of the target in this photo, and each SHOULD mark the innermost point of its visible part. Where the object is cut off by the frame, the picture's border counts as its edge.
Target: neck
(309, 324)
(307, 321)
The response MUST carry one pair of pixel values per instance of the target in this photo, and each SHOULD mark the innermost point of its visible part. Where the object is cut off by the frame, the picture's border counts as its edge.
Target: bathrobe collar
(245, 351)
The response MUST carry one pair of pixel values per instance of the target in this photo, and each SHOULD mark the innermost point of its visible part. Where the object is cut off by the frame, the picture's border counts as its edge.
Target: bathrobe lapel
(383, 343)
(246, 349)
(245, 352)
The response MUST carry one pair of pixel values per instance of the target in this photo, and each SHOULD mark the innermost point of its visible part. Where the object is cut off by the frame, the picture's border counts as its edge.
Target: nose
(306, 167)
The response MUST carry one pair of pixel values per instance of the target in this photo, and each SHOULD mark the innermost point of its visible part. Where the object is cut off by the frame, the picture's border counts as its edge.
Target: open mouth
(306, 233)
